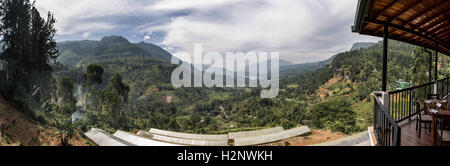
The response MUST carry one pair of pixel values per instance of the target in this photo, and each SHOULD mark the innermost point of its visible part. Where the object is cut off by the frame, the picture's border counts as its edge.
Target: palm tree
(66, 129)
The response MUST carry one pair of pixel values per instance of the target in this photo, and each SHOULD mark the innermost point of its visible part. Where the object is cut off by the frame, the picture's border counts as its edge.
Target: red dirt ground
(19, 130)
(316, 137)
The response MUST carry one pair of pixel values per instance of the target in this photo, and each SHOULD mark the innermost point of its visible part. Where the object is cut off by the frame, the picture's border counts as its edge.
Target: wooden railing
(402, 102)
(443, 87)
(386, 129)
(402, 106)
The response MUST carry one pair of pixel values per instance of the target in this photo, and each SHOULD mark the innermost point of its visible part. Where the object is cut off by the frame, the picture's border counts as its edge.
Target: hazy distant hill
(363, 45)
(286, 71)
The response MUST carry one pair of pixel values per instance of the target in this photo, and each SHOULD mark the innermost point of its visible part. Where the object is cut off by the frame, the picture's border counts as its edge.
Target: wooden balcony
(395, 121)
(410, 136)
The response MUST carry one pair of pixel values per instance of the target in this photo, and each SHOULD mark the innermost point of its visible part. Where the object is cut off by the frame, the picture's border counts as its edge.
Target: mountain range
(83, 52)
(88, 51)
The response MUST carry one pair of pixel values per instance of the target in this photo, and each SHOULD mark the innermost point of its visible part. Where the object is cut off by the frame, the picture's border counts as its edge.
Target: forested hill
(362, 67)
(88, 51)
(362, 45)
(341, 85)
(345, 85)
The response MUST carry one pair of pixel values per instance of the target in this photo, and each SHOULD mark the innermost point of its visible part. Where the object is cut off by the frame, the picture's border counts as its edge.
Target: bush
(335, 115)
(286, 124)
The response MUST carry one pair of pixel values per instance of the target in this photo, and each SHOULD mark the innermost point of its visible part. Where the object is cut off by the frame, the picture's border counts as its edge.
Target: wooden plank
(418, 15)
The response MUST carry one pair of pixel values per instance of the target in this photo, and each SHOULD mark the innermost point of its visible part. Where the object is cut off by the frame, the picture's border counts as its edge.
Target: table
(441, 113)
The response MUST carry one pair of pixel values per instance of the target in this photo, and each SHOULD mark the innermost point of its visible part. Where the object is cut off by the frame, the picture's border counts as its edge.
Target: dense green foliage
(29, 50)
(308, 95)
(335, 115)
(118, 85)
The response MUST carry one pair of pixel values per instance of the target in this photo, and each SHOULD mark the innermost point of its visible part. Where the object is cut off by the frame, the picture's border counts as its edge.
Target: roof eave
(360, 13)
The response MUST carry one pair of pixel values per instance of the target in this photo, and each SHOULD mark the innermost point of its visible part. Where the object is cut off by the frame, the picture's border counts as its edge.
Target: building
(424, 23)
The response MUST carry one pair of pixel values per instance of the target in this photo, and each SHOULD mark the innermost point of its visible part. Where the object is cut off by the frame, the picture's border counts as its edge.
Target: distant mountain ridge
(286, 71)
(83, 51)
(363, 45)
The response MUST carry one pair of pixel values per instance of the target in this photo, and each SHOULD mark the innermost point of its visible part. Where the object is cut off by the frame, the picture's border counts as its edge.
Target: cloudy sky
(301, 30)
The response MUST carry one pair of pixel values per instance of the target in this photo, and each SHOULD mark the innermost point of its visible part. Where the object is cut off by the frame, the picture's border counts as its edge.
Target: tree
(66, 129)
(65, 93)
(94, 74)
(336, 115)
(28, 44)
(44, 50)
(419, 71)
(173, 125)
(15, 31)
(121, 88)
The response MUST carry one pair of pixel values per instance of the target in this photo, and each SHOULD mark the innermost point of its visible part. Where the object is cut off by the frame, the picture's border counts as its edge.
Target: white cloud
(86, 34)
(185, 4)
(301, 30)
(147, 37)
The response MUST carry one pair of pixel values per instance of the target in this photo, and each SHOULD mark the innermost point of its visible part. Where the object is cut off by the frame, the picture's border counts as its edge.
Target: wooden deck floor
(410, 137)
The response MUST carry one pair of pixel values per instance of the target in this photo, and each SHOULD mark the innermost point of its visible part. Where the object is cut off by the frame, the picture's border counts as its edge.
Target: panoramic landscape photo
(224, 73)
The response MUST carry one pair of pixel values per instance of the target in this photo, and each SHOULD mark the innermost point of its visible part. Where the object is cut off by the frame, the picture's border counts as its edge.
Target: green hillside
(340, 86)
(83, 52)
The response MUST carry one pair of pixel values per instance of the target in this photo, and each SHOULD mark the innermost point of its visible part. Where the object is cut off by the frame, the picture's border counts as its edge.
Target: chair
(444, 133)
(423, 118)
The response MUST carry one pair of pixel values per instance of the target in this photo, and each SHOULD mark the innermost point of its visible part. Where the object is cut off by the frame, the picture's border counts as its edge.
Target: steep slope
(16, 129)
(155, 51)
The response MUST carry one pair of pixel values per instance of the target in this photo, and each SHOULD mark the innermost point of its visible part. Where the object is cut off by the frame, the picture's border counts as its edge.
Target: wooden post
(385, 51)
(430, 67)
(436, 78)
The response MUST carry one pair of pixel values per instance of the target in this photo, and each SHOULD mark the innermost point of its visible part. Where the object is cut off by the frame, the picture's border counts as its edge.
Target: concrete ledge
(102, 138)
(223, 137)
(354, 140)
(245, 134)
(140, 141)
(182, 141)
(373, 139)
(263, 139)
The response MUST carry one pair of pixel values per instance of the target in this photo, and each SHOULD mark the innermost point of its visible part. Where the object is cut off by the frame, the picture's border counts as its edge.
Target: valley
(306, 89)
